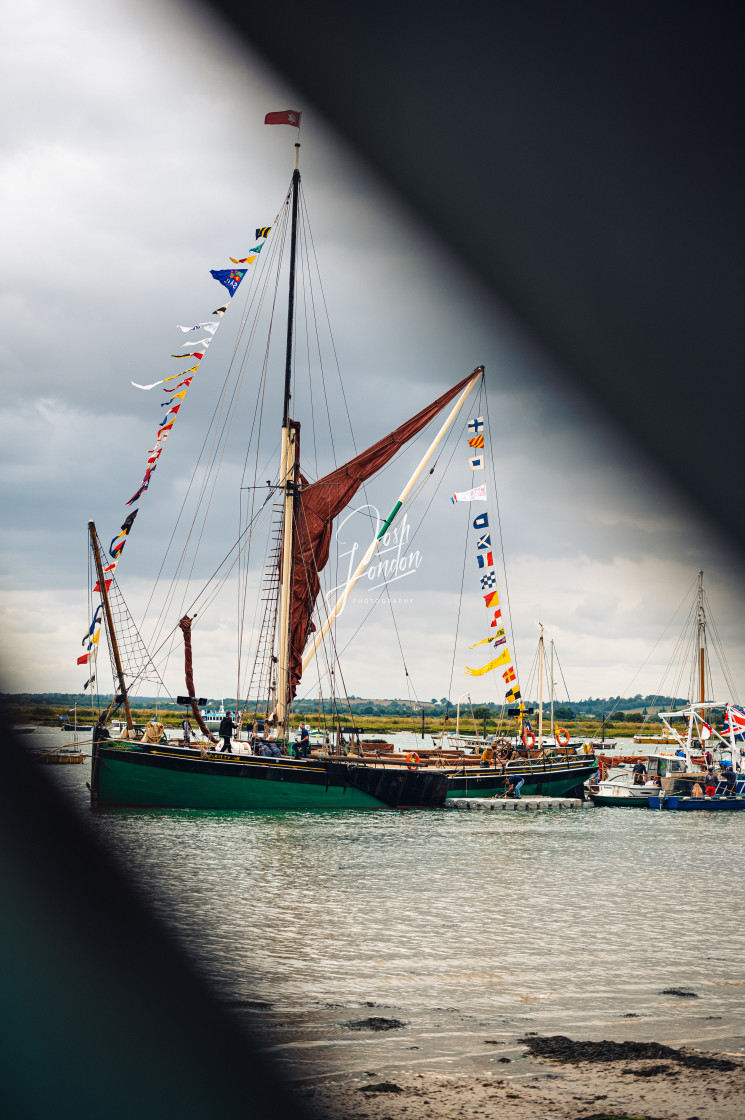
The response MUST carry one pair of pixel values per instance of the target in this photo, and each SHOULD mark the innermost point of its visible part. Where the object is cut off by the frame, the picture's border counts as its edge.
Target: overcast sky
(136, 160)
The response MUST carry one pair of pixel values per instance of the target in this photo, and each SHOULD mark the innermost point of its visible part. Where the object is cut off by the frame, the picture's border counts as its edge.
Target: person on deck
(227, 727)
(639, 773)
(513, 789)
(304, 741)
(730, 778)
(187, 730)
(487, 756)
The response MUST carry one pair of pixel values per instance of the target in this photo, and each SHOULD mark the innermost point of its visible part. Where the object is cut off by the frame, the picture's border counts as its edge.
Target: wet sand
(527, 1087)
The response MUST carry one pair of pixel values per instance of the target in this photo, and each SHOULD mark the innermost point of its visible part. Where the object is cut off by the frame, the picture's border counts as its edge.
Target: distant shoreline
(50, 716)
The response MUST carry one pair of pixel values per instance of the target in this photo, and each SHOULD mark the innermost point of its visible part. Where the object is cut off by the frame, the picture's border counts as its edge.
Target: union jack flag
(734, 720)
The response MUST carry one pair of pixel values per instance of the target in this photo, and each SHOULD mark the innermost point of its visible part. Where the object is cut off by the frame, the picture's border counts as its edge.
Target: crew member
(227, 727)
(513, 789)
(639, 773)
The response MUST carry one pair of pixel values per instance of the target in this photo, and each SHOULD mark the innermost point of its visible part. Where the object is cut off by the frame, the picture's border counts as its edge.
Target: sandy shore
(648, 1089)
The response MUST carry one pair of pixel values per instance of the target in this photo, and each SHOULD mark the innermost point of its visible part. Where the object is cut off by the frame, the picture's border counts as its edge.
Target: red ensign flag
(289, 116)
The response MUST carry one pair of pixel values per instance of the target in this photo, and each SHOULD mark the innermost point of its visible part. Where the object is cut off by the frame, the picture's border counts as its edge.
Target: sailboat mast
(287, 481)
(540, 690)
(552, 690)
(701, 640)
(110, 622)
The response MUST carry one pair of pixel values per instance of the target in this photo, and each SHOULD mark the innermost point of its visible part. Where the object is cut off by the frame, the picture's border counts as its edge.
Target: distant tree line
(629, 709)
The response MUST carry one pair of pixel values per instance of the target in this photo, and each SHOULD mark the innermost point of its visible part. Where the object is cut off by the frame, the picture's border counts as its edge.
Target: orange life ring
(412, 760)
(528, 735)
(562, 737)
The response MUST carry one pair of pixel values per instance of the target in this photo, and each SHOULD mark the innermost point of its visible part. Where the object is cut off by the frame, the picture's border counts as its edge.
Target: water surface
(467, 926)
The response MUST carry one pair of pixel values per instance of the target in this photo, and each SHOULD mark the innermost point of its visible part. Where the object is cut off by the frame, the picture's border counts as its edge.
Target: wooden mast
(288, 484)
(540, 689)
(701, 640)
(553, 733)
(110, 623)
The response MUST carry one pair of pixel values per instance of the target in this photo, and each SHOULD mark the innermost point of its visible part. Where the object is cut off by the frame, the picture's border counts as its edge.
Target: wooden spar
(185, 624)
(457, 716)
(552, 731)
(701, 640)
(359, 570)
(287, 482)
(110, 623)
(540, 690)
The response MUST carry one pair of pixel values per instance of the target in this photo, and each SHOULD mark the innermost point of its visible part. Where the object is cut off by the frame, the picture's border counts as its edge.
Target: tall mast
(287, 481)
(540, 689)
(110, 622)
(553, 733)
(701, 640)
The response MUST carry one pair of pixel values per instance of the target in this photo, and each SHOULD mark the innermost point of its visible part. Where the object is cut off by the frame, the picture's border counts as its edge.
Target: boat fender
(412, 760)
(528, 739)
(562, 737)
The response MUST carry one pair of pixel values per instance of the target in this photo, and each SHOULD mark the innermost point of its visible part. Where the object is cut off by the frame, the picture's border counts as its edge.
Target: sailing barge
(166, 774)
(152, 773)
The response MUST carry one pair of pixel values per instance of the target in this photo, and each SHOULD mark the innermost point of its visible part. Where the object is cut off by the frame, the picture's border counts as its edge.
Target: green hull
(181, 780)
(556, 781)
(619, 802)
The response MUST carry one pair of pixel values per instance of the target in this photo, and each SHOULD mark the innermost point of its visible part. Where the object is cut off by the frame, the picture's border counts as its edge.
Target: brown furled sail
(185, 624)
(315, 509)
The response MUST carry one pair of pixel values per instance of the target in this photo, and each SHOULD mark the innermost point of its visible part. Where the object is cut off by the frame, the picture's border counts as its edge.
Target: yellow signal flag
(483, 642)
(503, 659)
(477, 441)
(96, 636)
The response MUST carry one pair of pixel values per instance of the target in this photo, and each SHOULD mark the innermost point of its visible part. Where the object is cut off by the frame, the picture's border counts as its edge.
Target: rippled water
(468, 926)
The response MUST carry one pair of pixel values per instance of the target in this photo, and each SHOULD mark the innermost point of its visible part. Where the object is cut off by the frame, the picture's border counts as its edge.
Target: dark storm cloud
(135, 162)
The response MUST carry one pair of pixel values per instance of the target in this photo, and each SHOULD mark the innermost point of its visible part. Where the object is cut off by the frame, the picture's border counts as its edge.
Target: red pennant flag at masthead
(289, 116)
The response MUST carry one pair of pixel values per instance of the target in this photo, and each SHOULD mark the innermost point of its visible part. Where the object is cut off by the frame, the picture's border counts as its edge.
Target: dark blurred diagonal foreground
(102, 1016)
(584, 160)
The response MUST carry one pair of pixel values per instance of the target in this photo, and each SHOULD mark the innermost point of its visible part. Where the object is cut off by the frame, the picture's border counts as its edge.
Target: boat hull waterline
(182, 779)
(720, 803)
(159, 779)
(555, 780)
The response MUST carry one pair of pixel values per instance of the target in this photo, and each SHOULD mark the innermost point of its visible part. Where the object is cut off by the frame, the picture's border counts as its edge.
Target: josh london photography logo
(393, 560)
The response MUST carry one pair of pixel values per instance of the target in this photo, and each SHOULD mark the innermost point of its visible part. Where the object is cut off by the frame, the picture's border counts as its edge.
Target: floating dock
(527, 804)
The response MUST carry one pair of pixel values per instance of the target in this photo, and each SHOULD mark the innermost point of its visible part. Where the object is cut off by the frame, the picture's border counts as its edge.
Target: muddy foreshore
(549, 1076)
